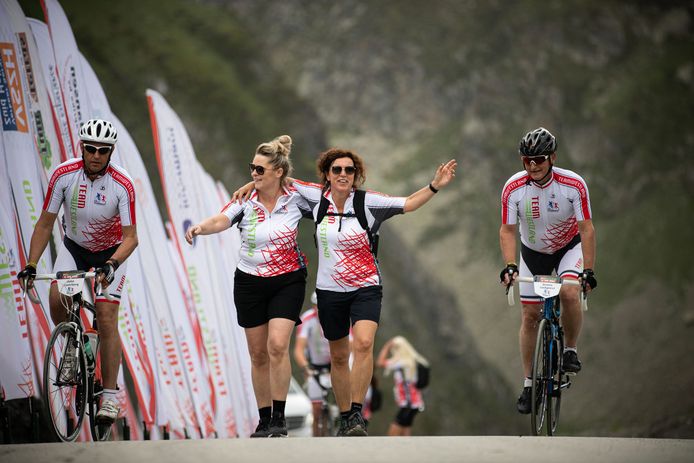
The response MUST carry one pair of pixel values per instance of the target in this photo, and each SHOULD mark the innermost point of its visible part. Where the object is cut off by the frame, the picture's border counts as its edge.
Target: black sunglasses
(259, 169)
(538, 160)
(349, 170)
(91, 149)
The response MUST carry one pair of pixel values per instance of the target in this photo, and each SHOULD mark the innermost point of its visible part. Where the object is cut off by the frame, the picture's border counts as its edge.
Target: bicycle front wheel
(64, 386)
(557, 382)
(540, 399)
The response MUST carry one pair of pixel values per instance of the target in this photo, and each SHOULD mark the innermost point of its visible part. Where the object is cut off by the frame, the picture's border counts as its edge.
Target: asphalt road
(362, 450)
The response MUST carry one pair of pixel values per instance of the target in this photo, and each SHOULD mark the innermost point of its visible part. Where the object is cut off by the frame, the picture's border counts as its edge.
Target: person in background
(397, 356)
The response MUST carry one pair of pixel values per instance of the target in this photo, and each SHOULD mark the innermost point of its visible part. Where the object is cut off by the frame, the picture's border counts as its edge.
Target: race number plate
(70, 286)
(547, 286)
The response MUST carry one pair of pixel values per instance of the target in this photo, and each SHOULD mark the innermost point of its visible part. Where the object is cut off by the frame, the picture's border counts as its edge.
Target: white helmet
(98, 130)
(314, 298)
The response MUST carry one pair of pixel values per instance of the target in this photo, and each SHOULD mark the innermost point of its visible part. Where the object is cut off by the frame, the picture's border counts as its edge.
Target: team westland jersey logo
(282, 210)
(260, 214)
(552, 206)
(12, 107)
(100, 199)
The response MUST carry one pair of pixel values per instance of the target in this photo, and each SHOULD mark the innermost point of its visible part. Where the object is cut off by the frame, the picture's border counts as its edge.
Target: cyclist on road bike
(98, 199)
(312, 354)
(552, 207)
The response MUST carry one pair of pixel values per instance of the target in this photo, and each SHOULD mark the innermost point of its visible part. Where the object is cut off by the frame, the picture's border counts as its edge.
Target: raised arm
(444, 174)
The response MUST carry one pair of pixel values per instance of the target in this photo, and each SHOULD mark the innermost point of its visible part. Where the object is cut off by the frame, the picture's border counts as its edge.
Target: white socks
(528, 382)
(572, 349)
(110, 394)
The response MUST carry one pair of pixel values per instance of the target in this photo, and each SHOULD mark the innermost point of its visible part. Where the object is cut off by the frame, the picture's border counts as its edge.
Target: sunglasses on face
(538, 160)
(260, 169)
(91, 149)
(349, 170)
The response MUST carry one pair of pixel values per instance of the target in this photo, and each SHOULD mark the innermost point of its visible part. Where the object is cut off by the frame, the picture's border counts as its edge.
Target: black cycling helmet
(537, 142)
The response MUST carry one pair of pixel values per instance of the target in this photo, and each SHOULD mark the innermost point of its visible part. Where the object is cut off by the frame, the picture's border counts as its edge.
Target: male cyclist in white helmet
(552, 207)
(99, 224)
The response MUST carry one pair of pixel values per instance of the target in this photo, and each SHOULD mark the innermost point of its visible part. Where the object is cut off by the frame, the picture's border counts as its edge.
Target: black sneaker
(524, 400)
(342, 431)
(571, 364)
(278, 428)
(356, 425)
(263, 429)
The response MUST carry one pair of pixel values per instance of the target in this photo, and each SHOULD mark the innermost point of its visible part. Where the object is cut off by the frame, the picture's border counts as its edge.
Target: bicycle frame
(327, 415)
(73, 296)
(547, 373)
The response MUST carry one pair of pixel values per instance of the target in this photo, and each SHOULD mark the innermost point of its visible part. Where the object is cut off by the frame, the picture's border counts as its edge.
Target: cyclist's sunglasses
(91, 149)
(538, 160)
(259, 169)
(349, 170)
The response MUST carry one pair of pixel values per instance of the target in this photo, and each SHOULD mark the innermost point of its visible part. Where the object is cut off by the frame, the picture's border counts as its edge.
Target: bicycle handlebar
(54, 276)
(568, 282)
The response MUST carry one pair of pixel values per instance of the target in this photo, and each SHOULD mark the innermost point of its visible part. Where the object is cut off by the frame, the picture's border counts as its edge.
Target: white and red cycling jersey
(95, 210)
(345, 261)
(317, 346)
(268, 238)
(548, 214)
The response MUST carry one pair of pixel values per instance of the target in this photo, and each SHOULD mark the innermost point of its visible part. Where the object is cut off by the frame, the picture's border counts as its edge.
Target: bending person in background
(399, 357)
(270, 279)
(556, 232)
(99, 223)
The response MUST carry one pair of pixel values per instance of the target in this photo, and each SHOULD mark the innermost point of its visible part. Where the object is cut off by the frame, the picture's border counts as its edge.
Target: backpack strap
(360, 211)
(359, 201)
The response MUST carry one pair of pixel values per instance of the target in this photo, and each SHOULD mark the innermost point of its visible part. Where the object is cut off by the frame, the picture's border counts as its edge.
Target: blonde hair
(278, 151)
(404, 355)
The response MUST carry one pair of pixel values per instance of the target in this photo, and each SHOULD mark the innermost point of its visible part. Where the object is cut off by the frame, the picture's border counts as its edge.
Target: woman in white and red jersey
(270, 279)
(552, 207)
(98, 199)
(349, 280)
(397, 356)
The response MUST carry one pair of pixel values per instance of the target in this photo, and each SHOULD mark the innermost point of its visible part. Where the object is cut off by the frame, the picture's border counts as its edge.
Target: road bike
(72, 384)
(329, 411)
(548, 377)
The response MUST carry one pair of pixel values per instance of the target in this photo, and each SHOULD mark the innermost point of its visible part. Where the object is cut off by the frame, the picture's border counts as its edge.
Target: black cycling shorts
(405, 416)
(259, 299)
(543, 264)
(86, 259)
(336, 309)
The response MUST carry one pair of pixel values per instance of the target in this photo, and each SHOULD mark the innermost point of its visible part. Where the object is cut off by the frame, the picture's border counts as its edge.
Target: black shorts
(86, 259)
(336, 310)
(405, 416)
(259, 299)
(543, 264)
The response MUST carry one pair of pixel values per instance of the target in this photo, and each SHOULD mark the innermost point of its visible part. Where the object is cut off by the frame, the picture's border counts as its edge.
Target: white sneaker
(108, 413)
(69, 368)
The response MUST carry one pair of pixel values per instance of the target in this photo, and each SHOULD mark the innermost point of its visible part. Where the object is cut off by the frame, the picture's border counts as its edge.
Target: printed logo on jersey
(323, 231)
(253, 225)
(282, 210)
(553, 206)
(12, 107)
(532, 211)
(100, 199)
(81, 196)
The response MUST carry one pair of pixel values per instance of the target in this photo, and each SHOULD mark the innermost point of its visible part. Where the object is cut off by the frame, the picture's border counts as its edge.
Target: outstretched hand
(444, 174)
(192, 232)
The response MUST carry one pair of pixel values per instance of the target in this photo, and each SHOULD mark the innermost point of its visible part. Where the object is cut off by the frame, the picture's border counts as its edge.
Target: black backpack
(422, 376)
(359, 213)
